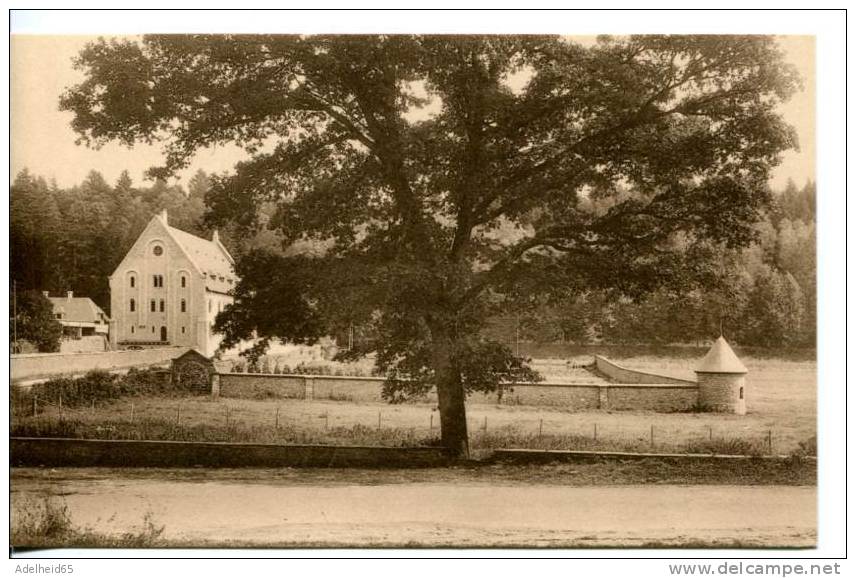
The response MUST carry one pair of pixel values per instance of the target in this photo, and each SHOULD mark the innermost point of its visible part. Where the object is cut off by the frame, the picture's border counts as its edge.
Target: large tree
(438, 178)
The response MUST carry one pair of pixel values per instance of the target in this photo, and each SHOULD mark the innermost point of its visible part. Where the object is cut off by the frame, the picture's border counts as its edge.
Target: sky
(43, 141)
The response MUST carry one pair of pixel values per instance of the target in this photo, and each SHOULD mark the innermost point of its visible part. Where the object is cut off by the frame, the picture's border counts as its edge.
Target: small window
(183, 281)
(133, 281)
(183, 306)
(153, 328)
(182, 329)
(154, 307)
(132, 328)
(158, 250)
(59, 315)
(741, 393)
(162, 305)
(133, 305)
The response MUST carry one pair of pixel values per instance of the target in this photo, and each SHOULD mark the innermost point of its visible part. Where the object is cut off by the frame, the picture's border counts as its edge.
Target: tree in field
(32, 319)
(439, 175)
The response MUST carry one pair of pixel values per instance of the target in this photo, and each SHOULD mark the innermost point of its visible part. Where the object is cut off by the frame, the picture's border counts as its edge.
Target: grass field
(781, 399)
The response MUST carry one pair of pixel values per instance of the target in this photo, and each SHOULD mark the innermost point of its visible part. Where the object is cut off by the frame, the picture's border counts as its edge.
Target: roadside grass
(46, 523)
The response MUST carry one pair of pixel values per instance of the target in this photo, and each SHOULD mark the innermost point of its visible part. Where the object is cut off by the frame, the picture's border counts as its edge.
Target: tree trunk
(451, 397)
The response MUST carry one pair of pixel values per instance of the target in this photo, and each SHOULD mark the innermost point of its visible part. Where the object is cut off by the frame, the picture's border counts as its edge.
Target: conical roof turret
(721, 359)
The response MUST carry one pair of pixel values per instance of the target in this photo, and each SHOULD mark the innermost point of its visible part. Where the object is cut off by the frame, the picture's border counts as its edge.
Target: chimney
(215, 237)
(69, 295)
(163, 217)
(46, 293)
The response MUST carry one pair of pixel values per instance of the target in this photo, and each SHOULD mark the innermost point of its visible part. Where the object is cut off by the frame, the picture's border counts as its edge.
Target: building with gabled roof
(79, 316)
(169, 288)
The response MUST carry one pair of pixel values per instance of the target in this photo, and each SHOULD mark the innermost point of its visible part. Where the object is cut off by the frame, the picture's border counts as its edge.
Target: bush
(807, 447)
(97, 385)
(727, 446)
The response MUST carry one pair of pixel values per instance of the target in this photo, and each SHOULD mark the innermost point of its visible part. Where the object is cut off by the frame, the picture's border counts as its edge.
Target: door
(163, 333)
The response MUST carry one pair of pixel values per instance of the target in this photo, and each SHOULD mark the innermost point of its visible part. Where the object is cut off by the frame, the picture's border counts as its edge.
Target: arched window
(133, 280)
(162, 305)
(183, 281)
(133, 305)
(184, 306)
(741, 393)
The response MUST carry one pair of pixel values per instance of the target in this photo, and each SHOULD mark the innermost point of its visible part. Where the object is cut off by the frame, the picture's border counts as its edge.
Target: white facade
(169, 288)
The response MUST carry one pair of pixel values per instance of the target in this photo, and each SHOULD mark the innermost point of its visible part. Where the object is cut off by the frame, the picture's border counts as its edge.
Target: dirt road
(196, 510)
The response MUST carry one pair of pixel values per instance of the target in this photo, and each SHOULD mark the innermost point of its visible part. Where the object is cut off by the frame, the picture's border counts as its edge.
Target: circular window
(158, 250)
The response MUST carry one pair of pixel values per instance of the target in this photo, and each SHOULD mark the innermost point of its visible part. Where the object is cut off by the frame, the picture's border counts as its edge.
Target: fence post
(35, 405)
(276, 418)
(540, 429)
(132, 413)
(326, 420)
(595, 431)
(652, 435)
(485, 426)
(770, 441)
(431, 423)
(178, 416)
(92, 408)
(60, 405)
(378, 421)
(710, 433)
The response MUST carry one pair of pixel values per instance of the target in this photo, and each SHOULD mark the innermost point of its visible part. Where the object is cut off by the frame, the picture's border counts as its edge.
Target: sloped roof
(208, 256)
(721, 359)
(79, 309)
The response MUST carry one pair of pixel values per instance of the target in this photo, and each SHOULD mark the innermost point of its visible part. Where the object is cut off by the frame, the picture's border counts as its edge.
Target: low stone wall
(566, 395)
(665, 397)
(37, 365)
(612, 396)
(623, 374)
(340, 388)
(64, 452)
(262, 386)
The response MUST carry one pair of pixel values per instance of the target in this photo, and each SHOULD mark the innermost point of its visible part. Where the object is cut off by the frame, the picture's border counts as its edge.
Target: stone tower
(722, 380)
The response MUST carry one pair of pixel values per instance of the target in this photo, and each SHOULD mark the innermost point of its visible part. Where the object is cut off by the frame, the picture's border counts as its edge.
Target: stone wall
(38, 365)
(622, 374)
(262, 386)
(655, 397)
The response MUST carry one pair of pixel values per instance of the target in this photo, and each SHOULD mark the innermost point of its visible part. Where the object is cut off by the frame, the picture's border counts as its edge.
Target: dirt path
(221, 511)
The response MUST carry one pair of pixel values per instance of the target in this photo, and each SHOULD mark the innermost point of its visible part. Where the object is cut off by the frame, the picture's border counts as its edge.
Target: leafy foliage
(34, 320)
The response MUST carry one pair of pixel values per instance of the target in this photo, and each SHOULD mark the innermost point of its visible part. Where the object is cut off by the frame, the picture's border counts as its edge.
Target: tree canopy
(31, 318)
(439, 177)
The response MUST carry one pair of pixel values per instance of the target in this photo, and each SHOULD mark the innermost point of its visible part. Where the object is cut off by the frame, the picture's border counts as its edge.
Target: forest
(71, 239)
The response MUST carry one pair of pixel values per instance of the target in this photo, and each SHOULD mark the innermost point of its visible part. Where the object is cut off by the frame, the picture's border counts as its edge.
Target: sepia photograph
(413, 291)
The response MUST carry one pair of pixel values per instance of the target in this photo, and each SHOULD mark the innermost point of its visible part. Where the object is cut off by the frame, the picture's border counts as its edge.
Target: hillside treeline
(766, 296)
(72, 239)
